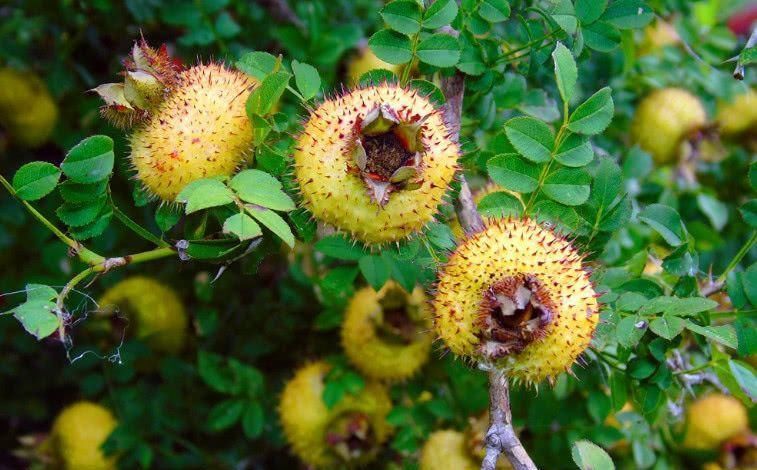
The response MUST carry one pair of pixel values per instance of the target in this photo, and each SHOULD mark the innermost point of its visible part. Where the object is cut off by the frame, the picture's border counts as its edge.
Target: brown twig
(501, 437)
(280, 10)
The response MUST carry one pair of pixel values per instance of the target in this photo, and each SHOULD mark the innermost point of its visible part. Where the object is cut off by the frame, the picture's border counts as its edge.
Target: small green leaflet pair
(257, 195)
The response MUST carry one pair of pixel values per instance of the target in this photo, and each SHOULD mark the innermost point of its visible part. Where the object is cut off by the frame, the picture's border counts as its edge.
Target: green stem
(737, 259)
(86, 255)
(528, 45)
(704, 366)
(136, 228)
(409, 67)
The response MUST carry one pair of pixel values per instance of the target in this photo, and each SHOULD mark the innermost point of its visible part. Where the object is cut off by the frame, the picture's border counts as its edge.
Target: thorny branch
(501, 437)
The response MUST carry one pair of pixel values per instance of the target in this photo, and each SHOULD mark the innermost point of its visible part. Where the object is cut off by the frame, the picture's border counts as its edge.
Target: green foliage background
(273, 309)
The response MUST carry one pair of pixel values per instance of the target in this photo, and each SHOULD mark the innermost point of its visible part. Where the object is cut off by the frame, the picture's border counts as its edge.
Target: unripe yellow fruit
(154, 310)
(199, 130)
(375, 162)
(713, 419)
(348, 434)
(27, 109)
(447, 450)
(77, 435)
(363, 62)
(516, 296)
(663, 119)
(387, 334)
(656, 36)
(739, 115)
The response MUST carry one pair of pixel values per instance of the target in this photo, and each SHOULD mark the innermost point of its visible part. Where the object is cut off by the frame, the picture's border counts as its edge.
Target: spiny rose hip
(713, 419)
(27, 110)
(664, 119)
(516, 296)
(387, 334)
(738, 115)
(154, 311)
(77, 435)
(200, 130)
(348, 434)
(375, 162)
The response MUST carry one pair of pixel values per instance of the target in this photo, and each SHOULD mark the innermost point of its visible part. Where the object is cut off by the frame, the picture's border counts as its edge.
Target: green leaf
(640, 369)
(749, 212)
(630, 330)
(307, 79)
(569, 186)
(215, 372)
(76, 193)
(745, 377)
(667, 326)
(589, 456)
(37, 317)
(494, 11)
(440, 13)
(253, 420)
(749, 281)
(166, 216)
(265, 96)
(339, 247)
(257, 64)
(376, 270)
(226, 26)
(90, 161)
(665, 221)
(575, 151)
(531, 138)
(513, 172)
(440, 235)
(429, 90)
(403, 16)
(439, 50)
(500, 204)
(262, 189)
(225, 414)
(724, 334)
(77, 215)
(391, 46)
(273, 222)
(628, 14)
(205, 193)
(716, 211)
(242, 226)
(566, 71)
(94, 228)
(607, 183)
(601, 36)
(375, 76)
(593, 115)
(35, 180)
(589, 11)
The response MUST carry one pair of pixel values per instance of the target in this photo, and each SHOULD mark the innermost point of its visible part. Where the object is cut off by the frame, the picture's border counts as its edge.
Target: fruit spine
(516, 296)
(387, 334)
(375, 162)
(350, 433)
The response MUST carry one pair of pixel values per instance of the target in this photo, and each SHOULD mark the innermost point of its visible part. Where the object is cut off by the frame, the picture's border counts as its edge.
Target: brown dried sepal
(388, 153)
(514, 312)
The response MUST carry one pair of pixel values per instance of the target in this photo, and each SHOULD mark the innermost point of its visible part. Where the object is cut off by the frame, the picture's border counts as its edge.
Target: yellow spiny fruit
(387, 334)
(375, 162)
(663, 119)
(713, 419)
(199, 130)
(350, 433)
(77, 435)
(363, 62)
(154, 310)
(27, 109)
(739, 115)
(447, 450)
(656, 36)
(515, 295)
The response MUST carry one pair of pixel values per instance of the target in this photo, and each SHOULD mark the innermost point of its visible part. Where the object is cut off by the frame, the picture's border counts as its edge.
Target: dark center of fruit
(385, 153)
(398, 323)
(514, 312)
(351, 436)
